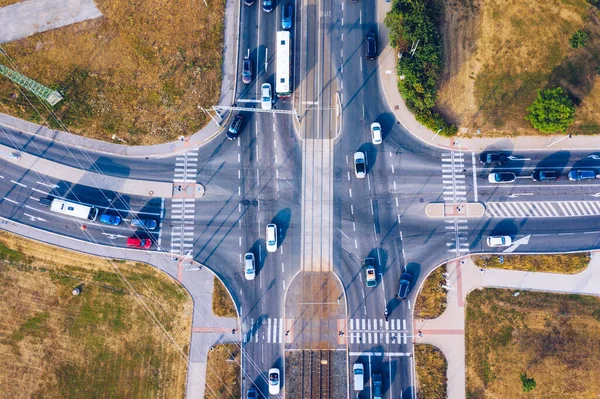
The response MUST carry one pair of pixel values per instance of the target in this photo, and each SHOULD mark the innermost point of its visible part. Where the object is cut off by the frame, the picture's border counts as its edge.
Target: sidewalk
(29, 17)
(447, 332)
(389, 86)
(212, 129)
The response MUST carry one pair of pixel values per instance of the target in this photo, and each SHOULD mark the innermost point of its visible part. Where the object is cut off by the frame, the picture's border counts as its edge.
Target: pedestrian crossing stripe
(547, 209)
(376, 331)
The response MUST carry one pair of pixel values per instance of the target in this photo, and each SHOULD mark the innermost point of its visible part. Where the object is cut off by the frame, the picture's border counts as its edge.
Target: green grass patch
(222, 305)
(558, 263)
(431, 366)
(431, 301)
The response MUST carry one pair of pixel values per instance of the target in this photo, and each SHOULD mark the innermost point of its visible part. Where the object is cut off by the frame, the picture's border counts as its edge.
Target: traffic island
(462, 210)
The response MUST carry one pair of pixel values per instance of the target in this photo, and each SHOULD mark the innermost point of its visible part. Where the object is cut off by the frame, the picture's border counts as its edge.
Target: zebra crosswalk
(377, 331)
(183, 209)
(270, 330)
(455, 192)
(546, 209)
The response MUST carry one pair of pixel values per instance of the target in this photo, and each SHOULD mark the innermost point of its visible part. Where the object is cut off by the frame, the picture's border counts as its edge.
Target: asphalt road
(257, 179)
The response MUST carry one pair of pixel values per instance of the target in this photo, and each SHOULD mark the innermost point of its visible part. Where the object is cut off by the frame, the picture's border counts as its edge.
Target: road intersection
(297, 172)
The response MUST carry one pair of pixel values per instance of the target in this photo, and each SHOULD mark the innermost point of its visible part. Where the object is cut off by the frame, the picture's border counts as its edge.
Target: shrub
(552, 111)
(413, 31)
(528, 383)
(579, 39)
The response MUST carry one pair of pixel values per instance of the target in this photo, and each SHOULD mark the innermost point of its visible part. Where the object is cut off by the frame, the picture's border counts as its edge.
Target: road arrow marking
(113, 236)
(513, 158)
(595, 195)
(518, 195)
(593, 156)
(521, 241)
(35, 218)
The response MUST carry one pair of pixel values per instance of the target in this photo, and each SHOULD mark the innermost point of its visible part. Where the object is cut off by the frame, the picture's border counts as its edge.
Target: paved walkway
(29, 17)
(447, 332)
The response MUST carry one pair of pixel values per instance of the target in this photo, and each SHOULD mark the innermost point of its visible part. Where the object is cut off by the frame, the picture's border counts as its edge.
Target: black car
(371, 45)
(234, 128)
(544, 175)
(267, 5)
(252, 394)
(403, 286)
(247, 71)
(492, 158)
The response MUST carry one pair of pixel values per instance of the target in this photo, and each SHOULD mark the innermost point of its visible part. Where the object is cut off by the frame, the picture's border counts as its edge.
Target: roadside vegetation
(140, 72)
(223, 372)
(559, 263)
(110, 341)
(222, 305)
(431, 366)
(4, 3)
(543, 46)
(542, 343)
(414, 33)
(431, 301)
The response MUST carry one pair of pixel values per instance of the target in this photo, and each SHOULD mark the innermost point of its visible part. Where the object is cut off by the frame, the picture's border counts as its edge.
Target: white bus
(283, 86)
(73, 209)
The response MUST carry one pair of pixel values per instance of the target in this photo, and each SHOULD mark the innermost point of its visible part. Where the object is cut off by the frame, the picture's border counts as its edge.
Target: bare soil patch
(552, 338)
(498, 53)
(139, 72)
(100, 344)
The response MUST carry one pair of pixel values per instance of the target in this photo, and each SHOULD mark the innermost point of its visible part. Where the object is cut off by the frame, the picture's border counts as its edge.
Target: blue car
(113, 220)
(286, 17)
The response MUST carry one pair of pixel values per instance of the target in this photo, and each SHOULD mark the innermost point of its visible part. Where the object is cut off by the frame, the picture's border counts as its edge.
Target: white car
(271, 237)
(249, 268)
(274, 381)
(376, 136)
(499, 241)
(360, 165)
(265, 97)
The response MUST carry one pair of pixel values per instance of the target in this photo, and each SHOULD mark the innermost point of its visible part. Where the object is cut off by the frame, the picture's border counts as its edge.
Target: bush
(413, 31)
(552, 111)
(579, 39)
(528, 383)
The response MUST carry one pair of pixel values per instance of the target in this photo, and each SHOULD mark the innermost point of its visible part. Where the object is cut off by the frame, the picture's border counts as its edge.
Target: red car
(139, 243)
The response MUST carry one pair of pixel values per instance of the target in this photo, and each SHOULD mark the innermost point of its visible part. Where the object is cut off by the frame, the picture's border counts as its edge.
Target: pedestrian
(233, 331)
(420, 333)
(287, 333)
(481, 270)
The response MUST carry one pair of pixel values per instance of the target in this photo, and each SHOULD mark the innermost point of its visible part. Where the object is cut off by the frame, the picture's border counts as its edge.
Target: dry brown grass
(499, 52)
(553, 338)
(222, 305)
(4, 3)
(223, 372)
(431, 301)
(100, 344)
(140, 72)
(559, 263)
(431, 366)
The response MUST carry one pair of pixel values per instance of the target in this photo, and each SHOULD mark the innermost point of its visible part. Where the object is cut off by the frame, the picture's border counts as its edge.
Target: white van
(359, 376)
(271, 237)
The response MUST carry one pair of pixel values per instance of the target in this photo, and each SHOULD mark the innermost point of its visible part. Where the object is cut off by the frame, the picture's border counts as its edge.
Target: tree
(528, 383)
(579, 39)
(552, 111)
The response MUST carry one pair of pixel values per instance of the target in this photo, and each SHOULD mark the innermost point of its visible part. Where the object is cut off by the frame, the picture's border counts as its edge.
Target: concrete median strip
(463, 210)
(144, 188)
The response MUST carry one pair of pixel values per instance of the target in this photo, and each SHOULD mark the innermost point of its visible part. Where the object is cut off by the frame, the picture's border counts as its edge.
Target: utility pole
(52, 97)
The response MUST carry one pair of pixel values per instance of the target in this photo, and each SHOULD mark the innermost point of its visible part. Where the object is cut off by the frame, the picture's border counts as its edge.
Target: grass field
(431, 301)
(4, 3)
(223, 372)
(559, 263)
(99, 344)
(431, 368)
(498, 53)
(222, 305)
(139, 72)
(552, 338)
